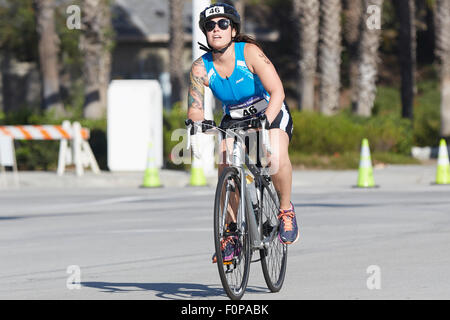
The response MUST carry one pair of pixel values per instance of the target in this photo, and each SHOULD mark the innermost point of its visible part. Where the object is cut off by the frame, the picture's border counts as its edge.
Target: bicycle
(256, 223)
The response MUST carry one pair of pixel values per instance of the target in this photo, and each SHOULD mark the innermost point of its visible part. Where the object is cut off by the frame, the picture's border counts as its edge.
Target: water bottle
(252, 191)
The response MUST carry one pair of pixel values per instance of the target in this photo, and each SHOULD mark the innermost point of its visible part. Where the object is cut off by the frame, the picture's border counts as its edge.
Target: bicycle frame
(255, 226)
(240, 157)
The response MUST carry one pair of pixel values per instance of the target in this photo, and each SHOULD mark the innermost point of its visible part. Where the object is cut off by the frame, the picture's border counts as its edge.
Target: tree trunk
(407, 53)
(176, 45)
(240, 7)
(443, 52)
(48, 56)
(330, 56)
(368, 62)
(95, 43)
(1, 82)
(352, 34)
(307, 15)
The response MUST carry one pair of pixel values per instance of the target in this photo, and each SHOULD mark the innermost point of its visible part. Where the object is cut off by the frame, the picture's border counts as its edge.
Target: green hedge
(172, 120)
(426, 110)
(318, 134)
(334, 140)
(427, 119)
(328, 141)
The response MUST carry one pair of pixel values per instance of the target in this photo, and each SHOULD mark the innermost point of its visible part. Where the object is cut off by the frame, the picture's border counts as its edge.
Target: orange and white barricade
(73, 149)
(7, 159)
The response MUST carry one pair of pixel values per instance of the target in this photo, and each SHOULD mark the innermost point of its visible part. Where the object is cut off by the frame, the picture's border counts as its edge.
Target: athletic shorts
(282, 121)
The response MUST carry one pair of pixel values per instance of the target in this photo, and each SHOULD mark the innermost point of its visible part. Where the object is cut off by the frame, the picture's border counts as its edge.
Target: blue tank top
(242, 94)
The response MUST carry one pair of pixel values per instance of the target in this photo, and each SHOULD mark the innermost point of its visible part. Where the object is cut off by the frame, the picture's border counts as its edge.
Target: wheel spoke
(234, 276)
(273, 258)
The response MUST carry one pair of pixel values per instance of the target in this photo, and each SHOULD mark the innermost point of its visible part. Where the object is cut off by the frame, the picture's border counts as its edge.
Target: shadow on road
(171, 291)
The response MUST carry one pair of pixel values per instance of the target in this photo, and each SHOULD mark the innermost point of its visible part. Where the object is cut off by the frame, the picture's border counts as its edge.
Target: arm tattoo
(196, 87)
(261, 55)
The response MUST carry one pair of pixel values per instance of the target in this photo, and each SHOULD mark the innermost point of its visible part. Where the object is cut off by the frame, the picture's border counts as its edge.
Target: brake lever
(208, 124)
(189, 128)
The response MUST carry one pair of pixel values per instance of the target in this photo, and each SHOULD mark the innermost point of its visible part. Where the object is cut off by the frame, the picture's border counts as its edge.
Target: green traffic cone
(151, 178)
(151, 175)
(443, 167)
(365, 172)
(198, 178)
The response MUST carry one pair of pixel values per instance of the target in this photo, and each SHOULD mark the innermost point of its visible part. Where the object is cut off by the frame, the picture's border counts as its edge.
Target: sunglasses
(223, 24)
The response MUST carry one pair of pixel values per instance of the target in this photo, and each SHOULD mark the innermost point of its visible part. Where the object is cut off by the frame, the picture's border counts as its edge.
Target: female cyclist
(242, 77)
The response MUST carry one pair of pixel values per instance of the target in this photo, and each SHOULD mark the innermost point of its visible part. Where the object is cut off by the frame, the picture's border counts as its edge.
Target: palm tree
(240, 7)
(48, 56)
(95, 43)
(307, 15)
(176, 45)
(443, 52)
(330, 55)
(352, 34)
(1, 82)
(368, 61)
(407, 53)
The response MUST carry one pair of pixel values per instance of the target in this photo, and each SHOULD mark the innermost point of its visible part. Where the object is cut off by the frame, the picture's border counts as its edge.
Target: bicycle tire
(234, 277)
(273, 258)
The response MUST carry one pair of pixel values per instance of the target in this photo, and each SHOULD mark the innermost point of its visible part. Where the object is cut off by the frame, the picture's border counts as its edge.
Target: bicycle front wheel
(234, 272)
(274, 255)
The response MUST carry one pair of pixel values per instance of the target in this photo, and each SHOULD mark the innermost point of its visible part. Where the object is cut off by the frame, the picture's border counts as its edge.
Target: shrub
(427, 114)
(327, 135)
(318, 140)
(172, 119)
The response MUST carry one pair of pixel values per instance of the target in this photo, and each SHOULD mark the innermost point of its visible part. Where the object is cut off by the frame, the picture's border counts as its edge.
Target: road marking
(67, 207)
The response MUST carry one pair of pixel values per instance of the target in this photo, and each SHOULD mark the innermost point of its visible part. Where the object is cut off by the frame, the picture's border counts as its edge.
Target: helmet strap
(224, 48)
(203, 47)
(209, 49)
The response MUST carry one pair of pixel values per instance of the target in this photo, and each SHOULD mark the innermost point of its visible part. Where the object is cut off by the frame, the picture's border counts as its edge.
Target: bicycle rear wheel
(274, 255)
(227, 209)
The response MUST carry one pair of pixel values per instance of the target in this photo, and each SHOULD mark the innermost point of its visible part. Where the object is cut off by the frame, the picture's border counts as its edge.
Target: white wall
(134, 115)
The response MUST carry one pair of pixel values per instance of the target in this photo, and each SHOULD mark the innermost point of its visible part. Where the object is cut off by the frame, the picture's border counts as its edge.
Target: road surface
(391, 242)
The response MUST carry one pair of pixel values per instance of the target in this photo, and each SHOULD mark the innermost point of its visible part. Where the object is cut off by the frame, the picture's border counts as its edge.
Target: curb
(390, 175)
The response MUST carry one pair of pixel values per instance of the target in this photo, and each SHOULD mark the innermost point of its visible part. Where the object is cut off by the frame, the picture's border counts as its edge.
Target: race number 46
(215, 10)
(250, 111)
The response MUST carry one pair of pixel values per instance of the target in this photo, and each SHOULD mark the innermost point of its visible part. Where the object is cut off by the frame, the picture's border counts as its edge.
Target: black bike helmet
(220, 10)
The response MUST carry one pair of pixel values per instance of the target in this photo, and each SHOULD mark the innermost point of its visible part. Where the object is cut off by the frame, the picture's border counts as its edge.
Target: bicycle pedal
(228, 262)
(229, 269)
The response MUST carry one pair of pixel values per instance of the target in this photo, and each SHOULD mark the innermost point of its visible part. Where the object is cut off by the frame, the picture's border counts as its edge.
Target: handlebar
(194, 127)
(259, 122)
